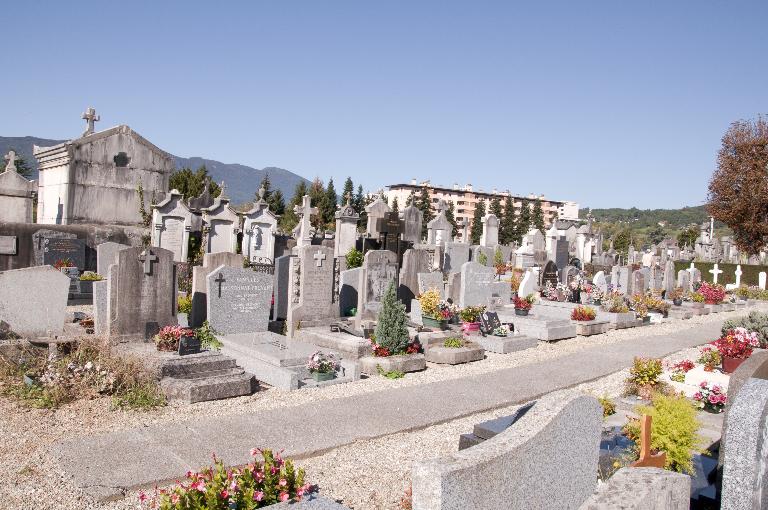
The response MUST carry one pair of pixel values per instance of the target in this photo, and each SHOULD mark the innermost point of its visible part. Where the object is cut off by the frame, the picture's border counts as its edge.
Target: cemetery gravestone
(200, 286)
(412, 221)
(549, 275)
(8, 245)
(173, 221)
(638, 282)
(415, 262)
(390, 227)
(669, 278)
(684, 279)
(376, 210)
(238, 300)
(259, 227)
(346, 229)
(105, 256)
(349, 281)
(528, 283)
(476, 284)
(490, 236)
(431, 281)
(600, 282)
(379, 270)
(33, 301)
(314, 287)
(456, 255)
(489, 321)
(282, 286)
(58, 249)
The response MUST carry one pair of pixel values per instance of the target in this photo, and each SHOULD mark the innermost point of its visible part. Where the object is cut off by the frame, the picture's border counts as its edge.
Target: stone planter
(455, 355)
(470, 327)
(86, 286)
(323, 376)
(521, 312)
(646, 319)
(400, 363)
(588, 328)
(731, 364)
(433, 323)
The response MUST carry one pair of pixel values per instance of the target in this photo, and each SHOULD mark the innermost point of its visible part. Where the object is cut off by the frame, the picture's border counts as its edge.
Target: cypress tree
(410, 199)
(507, 225)
(450, 214)
(277, 203)
(348, 191)
(424, 203)
(476, 232)
(267, 185)
(495, 208)
(538, 216)
(524, 222)
(289, 219)
(392, 326)
(359, 204)
(395, 206)
(328, 207)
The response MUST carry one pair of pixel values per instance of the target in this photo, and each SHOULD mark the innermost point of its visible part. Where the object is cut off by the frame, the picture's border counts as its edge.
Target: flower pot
(731, 364)
(431, 322)
(646, 319)
(470, 327)
(677, 302)
(521, 312)
(323, 376)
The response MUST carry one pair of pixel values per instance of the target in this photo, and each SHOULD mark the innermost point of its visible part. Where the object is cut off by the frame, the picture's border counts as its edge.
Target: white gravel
(365, 475)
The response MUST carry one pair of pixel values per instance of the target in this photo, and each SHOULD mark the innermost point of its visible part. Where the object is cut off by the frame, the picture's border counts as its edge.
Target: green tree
(328, 203)
(450, 215)
(495, 207)
(524, 221)
(359, 204)
(410, 199)
(687, 236)
(289, 220)
(657, 234)
(395, 206)
(476, 231)
(507, 230)
(267, 185)
(392, 326)
(317, 198)
(277, 203)
(424, 203)
(537, 217)
(22, 167)
(348, 191)
(192, 183)
(622, 240)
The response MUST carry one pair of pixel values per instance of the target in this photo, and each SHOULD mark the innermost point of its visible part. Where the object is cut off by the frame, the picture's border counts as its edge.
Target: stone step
(215, 385)
(185, 366)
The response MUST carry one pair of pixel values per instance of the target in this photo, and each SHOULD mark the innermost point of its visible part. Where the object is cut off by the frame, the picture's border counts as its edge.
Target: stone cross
(319, 258)
(304, 212)
(90, 118)
(11, 157)
(715, 272)
(738, 274)
(220, 279)
(441, 206)
(147, 257)
(690, 269)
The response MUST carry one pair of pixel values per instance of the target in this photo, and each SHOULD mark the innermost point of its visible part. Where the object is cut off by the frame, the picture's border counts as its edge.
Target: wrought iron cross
(220, 279)
(147, 257)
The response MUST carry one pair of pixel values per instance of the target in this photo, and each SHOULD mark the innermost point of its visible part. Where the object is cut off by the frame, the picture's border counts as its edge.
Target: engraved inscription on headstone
(189, 344)
(61, 249)
(239, 300)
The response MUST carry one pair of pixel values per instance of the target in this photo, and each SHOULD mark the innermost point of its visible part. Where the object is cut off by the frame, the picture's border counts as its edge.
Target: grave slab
(507, 344)
(33, 301)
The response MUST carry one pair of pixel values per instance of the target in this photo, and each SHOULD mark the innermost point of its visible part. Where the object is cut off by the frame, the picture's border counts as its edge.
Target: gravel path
(378, 468)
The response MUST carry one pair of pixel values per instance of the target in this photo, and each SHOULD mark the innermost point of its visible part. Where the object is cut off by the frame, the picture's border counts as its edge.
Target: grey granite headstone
(638, 282)
(476, 284)
(200, 286)
(58, 249)
(105, 256)
(33, 301)
(414, 262)
(349, 282)
(456, 254)
(412, 219)
(282, 286)
(39, 245)
(239, 300)
(684, 280)
(379, 270)
(313, 296)
(429, 281)
(669, 283)
(453, 288)
(745, 468)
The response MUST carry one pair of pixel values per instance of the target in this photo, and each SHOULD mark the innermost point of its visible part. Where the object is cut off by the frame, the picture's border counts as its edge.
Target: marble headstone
(314, 288)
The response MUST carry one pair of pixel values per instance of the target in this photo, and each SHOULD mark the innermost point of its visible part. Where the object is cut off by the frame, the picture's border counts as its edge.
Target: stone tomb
(476, 284)
(379, 270)
(16, 193)
(33, 301)
(141, 294)
(238, 300)
(313, 278)
(259, 227)
(172, 222)
(222, 225)
(456, 254)
(200, 286)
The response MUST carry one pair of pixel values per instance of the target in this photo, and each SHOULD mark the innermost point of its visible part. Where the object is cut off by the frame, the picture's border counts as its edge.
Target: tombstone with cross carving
(259, 228)
(221, 225)
(238, 300)
(172, 224)
(314, 295)
(16, 193)
(140, 294)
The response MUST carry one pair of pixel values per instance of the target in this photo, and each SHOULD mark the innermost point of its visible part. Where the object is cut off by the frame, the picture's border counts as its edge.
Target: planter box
(521, 313)
(620, 320)
(323, 376)
(714, 308)
(471, 328)
(401, 363)
(455, 356)
(728, 307)
(588, 328)
(506, 344)
(429, 322)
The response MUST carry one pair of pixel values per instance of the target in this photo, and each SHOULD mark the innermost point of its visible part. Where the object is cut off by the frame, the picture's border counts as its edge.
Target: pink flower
(713, 399)
(199, 486)
(259, 476)
(224, 494)
(273, 470)
(697, 395)
(703, 384)
(284, 496)
(258, 496)
(233, 486)
(255, 451)
(142, 497)
(175, 498)
(283, 482)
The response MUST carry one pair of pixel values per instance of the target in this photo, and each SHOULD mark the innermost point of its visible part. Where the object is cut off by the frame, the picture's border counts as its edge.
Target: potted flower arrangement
(577, 285)
(596, 295)
(613, 302)
(676, 295)
(86, 281)
(435, 313)
(710, 397)
(735, 346)
(168, 338)
(323, 367)
(713, 293)
(501, 331)
(523, 305)
(514, 282)
(709, 357)
(679, 369)
(470, 317)
(583, 313)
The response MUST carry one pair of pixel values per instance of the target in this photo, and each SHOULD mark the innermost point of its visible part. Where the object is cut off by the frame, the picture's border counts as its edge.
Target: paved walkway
(105, 464)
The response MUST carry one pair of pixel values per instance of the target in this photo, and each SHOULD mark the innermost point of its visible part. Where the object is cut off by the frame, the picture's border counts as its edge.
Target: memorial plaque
(172, 235)
(489, 321)
(189, 344)
(8, 245)
(55, 250)
(549, 275)
(380, 271)
(239, 300)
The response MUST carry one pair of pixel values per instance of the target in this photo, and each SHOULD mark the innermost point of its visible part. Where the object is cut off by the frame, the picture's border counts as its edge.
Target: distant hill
(242, 181)
(641, 218)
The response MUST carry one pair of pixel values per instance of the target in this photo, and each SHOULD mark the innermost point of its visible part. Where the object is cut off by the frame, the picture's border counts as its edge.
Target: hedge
(749, 273)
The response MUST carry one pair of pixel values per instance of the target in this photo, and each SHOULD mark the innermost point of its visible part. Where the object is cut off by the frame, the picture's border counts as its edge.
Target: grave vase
(730, 364)
(470, 327)
(323, 376)
(431, 322)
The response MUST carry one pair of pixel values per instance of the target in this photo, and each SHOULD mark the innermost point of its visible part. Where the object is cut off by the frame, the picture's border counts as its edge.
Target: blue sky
(611, 104)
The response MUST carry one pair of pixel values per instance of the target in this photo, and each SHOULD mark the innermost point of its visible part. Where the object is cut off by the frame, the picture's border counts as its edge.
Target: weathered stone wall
(93, 235)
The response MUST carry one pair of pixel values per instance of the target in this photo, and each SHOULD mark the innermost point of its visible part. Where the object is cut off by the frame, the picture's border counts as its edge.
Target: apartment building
(465, 200)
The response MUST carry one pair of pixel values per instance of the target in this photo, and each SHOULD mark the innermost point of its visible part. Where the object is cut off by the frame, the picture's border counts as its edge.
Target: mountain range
(242, 181)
